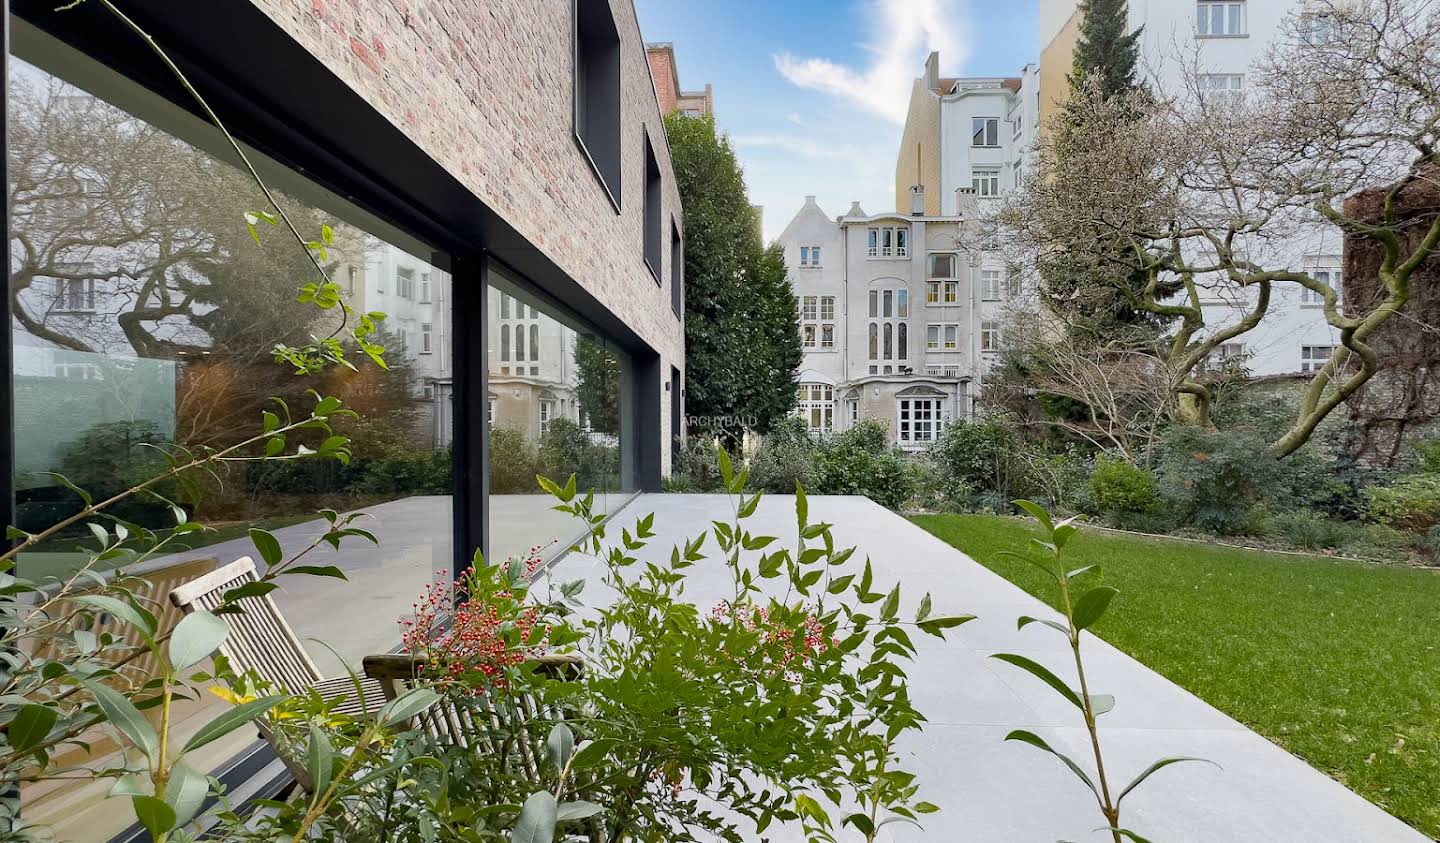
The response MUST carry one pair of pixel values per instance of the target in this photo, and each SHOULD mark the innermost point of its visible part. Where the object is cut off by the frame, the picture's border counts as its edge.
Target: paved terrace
(989, 790)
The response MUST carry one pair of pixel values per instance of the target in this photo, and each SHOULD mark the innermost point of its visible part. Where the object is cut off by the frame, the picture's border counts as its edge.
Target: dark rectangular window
(677, 270)
(597, 91)
(652, 210)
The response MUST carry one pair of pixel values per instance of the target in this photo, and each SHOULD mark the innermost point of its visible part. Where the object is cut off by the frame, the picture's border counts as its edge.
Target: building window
(427, 330)
(1329, 277)
(652, 227)
(75, 295)
(1220, 19)
(950, 292)
(941, 266)
(597, 92)
(1225, 356)
(1314, 357)
(815, 403)
(985, 182)
(889, 307)
(817, 318)
(79, 372)
(889, 345)
(952, 337)
(990, 285)
(919, 421)
(519, 343)
(874, 335)
(534, 343)
(902, 341)
(677, 269)
(1014, 282)
(424, 288)
(986, 131)
(1317, 28)
(932, 338)
(889, 243)
(853, 405)
(989, 336)
(810, 256)
(547, 413)
(504, 306)
(405, 283)
(504, 341)
(1214, 86)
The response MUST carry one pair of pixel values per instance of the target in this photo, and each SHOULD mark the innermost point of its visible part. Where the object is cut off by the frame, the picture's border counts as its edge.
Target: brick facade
(486, 90)
(667, 83)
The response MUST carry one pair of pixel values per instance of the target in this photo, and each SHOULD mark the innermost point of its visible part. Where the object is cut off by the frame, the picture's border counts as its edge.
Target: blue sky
(813, 92)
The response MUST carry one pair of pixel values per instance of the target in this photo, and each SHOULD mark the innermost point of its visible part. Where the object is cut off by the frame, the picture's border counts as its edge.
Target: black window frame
(677, 270)
(595, 88)
(652, 232)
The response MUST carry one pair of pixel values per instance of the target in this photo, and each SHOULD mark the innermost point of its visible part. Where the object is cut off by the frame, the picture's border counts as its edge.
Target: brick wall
(485, 88)
(662, 69)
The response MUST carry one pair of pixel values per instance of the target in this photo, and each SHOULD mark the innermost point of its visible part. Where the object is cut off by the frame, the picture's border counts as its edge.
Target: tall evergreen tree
(1099, 301)
(742, 337)
(1104, 49)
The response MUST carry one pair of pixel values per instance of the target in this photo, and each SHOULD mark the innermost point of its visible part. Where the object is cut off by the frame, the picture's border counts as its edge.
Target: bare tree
(1205, 188)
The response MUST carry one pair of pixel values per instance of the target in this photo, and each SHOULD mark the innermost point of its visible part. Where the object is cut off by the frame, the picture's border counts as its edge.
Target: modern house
(498, 184)
(900, 316)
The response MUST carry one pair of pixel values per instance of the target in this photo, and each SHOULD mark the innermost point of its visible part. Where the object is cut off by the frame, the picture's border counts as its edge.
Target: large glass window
(145, 314)
(561, 414)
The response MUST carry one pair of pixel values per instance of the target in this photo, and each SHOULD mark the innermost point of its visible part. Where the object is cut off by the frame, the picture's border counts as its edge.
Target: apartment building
(900, 315)
(948, 142)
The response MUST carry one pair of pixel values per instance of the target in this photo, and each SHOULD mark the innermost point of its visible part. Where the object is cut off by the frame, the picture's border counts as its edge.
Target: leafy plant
(1411, 503)
(1121, 486)
(861, 461)
(1082, 609)
(973, 460)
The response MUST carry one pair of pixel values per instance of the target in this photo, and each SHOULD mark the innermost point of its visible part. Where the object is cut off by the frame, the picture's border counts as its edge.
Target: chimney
(965, 202)
(932, 71)
(917, 200)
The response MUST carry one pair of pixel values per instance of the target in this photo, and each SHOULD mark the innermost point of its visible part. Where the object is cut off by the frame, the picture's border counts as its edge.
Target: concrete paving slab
(990, 790)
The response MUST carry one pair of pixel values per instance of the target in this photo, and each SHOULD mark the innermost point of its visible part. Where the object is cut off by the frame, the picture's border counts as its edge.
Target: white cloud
(908, 30)
(812, 149)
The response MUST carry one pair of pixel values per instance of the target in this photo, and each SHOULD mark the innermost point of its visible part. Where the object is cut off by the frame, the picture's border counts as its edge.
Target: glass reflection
(555, 409)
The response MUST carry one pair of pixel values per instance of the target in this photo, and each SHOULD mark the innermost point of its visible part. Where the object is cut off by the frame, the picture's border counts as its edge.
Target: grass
(1337, 661)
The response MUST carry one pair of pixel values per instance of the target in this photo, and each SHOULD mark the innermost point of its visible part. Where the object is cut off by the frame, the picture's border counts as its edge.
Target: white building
(899, 316)
(948, 142)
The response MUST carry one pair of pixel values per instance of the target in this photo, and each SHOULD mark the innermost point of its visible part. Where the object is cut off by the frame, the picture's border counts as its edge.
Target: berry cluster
(813, 640)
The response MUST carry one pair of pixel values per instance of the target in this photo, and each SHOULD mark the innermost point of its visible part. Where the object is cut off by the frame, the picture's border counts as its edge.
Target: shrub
(566, 449)
(513, 463)
(786, 458)
(1119, 486)
(972, 460)
(861, 461)
(695, 470)
(1411, 503)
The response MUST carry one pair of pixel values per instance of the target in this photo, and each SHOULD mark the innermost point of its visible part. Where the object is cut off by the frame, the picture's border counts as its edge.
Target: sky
(813, 93)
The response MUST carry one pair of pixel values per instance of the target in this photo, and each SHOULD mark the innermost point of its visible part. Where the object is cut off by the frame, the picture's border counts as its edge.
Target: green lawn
(1337, 661)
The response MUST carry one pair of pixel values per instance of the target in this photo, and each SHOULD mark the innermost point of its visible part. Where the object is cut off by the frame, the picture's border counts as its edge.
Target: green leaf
(862, 824)
(891, 607)
(230, 720)
(1092, 604)
(319, 760)
(1042, 673)
(1038, 513)
(937, 626)
(249, 589)
(578, 810)
(123, 715)
(593, 753)
(318, 571)
(924, 610)
(559, 744)
(407, 705)
(727, 471)
(536, 823)
(270, 421)
(195, 638)
(154, 814)
(1101, 703)
(1039, 743)
(1154, 768)
(327, 234)
(802, 506)
(31, 725)
(267, 545)
(186, 792)
(1026, 620)
(128, 612)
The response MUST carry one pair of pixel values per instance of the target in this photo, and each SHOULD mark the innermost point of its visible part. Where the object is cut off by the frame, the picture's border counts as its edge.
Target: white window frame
(984, 132)
(817, 321)
(888, 242)
(985, 181)
(991, 336)
(1314, 357)
(889, 320)
(547, 413)
(990, 285)
(815, 404)
(75, 295)
(919, 421)
(427, 332)
(1232, 16)
(1327, 275)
